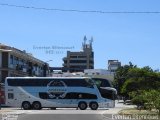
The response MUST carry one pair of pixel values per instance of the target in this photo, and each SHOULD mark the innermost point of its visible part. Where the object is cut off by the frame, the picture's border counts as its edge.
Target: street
(61, 113)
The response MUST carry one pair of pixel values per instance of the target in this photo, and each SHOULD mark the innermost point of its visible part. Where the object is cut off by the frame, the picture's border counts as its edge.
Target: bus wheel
(82, 105)
(36, 105)
(93, 105)
(26, 105)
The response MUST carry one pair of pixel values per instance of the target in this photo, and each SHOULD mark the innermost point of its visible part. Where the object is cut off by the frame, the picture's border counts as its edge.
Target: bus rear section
(37, 93)
(106, 90)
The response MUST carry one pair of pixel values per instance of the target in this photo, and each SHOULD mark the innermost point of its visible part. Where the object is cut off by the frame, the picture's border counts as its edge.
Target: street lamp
(46, 68)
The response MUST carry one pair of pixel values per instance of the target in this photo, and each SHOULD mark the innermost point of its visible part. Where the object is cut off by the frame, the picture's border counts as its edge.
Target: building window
(11, 59)
(78, 61)
(81, 56)
(15, 60)
(21, 62)
(73, 56)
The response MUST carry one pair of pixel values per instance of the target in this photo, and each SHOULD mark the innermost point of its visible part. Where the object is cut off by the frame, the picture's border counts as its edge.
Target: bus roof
(47, 77)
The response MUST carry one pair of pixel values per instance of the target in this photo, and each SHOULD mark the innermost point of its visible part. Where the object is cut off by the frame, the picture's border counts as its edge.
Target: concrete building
(14, 62)
(78, 61)
(99, 73)
(92, 72)
(68, 74)
(113, 65)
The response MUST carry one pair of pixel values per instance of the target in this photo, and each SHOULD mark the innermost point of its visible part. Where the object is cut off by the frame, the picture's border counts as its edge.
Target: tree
(130, 78)
(141, 79)
(141, 84)
(121, 76)
(148, 99)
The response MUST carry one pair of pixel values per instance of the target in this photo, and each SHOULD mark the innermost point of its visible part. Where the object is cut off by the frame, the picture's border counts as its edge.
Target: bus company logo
(56, 89)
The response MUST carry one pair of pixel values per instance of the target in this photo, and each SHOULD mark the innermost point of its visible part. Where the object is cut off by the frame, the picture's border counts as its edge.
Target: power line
(81, 11)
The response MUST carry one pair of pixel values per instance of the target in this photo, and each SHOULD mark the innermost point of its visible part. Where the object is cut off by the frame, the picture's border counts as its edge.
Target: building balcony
(78, 58)
(78, 64)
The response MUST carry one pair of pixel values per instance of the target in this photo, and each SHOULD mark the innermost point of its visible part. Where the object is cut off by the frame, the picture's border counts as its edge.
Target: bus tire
(26, 105)
(82, 105)
(93, 105)
(36, 105)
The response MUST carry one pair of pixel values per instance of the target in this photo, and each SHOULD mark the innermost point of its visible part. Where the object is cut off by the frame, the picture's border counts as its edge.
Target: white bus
(55, 92)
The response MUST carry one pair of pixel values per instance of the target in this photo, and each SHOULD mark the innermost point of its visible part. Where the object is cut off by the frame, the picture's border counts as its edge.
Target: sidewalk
(4, 110)
(109, 114)
(118, 107)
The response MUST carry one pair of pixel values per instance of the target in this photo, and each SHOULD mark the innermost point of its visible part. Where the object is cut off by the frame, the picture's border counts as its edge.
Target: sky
(125, 37)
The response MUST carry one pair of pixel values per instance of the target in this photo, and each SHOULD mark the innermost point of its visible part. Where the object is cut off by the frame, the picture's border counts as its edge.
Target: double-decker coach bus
(55, 92)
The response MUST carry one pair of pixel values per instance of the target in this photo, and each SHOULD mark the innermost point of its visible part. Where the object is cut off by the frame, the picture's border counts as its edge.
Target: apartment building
(78, 61)
(14, 62)
(113, 65)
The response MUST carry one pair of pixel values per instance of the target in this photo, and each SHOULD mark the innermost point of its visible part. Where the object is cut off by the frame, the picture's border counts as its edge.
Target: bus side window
(10, 96)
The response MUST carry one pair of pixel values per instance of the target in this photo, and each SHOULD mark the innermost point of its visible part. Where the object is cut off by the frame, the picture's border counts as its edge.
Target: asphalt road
(60, 114)
(61, 117)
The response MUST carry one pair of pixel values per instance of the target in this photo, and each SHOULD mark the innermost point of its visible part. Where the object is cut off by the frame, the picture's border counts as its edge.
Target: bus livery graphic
(56, 89)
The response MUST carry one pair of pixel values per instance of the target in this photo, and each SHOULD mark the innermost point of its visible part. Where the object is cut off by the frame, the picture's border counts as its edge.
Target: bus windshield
(100, 82)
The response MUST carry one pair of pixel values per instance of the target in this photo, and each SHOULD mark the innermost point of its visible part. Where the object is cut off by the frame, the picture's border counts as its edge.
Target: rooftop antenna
(85, 39)
(84, 43)
(91, 42)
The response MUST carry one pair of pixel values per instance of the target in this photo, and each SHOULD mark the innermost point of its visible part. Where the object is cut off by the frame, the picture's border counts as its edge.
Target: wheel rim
(36, 106)
(26, 106)
(83, 106)
(94, 106)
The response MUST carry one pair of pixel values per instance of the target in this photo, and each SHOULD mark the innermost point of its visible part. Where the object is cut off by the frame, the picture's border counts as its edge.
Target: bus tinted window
(102, 82)
(27, 82)
(45, 82)
(78, 82)
(71, 95)
(109, 94)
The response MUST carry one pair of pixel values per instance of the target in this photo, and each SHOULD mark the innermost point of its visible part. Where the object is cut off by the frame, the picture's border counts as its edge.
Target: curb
(4, 111)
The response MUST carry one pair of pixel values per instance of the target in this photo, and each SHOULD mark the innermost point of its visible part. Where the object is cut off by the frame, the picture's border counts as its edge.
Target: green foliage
(129, 86)
(148, 99)
(141, 84)
(139, 100)
(130, 78)
(141, 79)
(121, 76)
